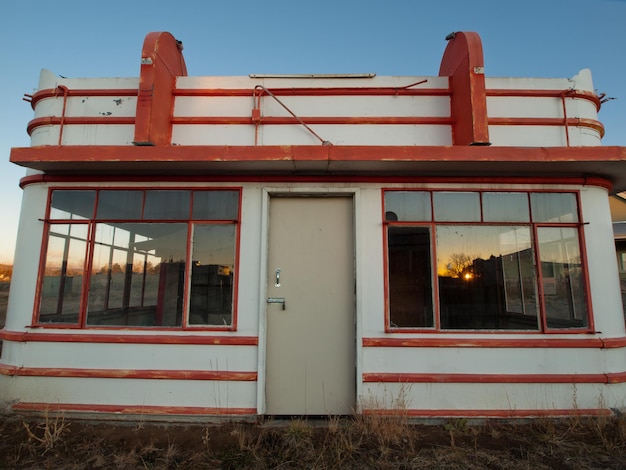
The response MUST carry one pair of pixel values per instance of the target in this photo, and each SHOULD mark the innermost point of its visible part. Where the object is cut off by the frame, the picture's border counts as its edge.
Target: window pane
(63, 275)
(473, 263)
(119, 205)
(409, 275)
(138, 275)
(554, 207)
(407, 205)
(457, 206)
(215, 205)
(564, 292)
(72, 204)
(212, 271)
(505, 207)
(167, 205)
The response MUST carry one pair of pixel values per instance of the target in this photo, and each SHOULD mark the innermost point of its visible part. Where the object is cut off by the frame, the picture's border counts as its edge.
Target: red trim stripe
(54, 93)
(425, 413)
(393, 377)
(227, 376)
(82, 337)
(575, 342)
(131, 409)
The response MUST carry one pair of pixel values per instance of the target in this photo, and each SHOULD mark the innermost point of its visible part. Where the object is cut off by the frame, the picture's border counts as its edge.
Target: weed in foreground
(49, 433)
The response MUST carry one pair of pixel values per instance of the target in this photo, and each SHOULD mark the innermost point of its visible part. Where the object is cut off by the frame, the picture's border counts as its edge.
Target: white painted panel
(249, 260)
(101, 106)
(581, 108)
(603, 273)
(524, 107)
(44, 135)
(74, 134)
(527, 136)
(358, 135)
(462, 396)
(137, 356)
(370, 268)
(104, 134)
(137, 392)
(483, 360)
(193, 106)
(26, 260)
(355, 106)
(201, 134)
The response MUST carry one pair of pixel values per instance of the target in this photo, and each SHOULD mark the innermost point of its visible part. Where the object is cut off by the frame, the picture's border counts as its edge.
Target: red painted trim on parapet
(318, 91)
(26, 336)
(131, 409)
(227, 376)
(318, 120)
(161, 62)
(398, 377)
(463, 62)
(286, 120)
(46, 179)
(577, 343)
(530, 93)
(425, 413)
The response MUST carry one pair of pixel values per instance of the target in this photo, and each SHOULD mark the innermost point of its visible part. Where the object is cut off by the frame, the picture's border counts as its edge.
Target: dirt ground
(350, 443)
(359, 442)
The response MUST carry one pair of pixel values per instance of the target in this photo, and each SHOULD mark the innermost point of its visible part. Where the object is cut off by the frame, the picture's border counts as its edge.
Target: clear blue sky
(547, 38)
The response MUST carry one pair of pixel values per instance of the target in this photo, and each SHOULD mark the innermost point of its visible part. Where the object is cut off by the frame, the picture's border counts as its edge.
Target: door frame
(303, 192)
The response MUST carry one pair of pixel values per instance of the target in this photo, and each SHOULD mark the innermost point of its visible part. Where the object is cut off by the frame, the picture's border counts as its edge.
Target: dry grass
(363, 441)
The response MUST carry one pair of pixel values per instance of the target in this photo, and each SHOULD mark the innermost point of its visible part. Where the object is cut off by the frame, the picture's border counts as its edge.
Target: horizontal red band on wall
(128, 373)
(60, 93)
(117, 338)
(575, 342)
(397, 377)
(425, 413)
(416, 89)
(132, 409)
(345, 120)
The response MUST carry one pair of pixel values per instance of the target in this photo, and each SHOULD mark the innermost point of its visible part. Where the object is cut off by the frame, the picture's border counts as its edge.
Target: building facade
(316, 245)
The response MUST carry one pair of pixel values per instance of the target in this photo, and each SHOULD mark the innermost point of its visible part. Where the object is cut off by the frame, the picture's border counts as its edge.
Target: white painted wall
(370, 304)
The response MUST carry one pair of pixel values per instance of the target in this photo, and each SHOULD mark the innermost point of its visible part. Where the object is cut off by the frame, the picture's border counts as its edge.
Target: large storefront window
(484, 260)
(140, 258)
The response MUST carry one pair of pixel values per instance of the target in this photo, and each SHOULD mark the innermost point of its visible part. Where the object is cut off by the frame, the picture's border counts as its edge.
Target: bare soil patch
(351, 443)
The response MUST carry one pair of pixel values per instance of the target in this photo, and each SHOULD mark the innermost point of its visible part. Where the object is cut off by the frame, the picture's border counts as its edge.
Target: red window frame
(89, 250)
(432, 225)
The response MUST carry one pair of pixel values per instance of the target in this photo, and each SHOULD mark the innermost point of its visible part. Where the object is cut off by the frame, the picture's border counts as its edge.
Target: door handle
(276, 300)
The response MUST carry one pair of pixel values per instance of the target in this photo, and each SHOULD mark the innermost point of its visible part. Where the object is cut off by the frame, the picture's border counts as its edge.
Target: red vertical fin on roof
(161, 62)
(463, 62)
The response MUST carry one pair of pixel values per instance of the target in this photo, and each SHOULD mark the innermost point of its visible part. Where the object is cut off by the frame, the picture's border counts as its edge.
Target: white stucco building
(313, 245)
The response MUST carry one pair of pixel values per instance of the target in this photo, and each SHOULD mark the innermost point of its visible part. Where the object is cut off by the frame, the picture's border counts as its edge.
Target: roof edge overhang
(607, 163)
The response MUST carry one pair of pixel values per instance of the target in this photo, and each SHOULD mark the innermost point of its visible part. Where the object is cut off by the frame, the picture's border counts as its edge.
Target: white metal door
(310, 366)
